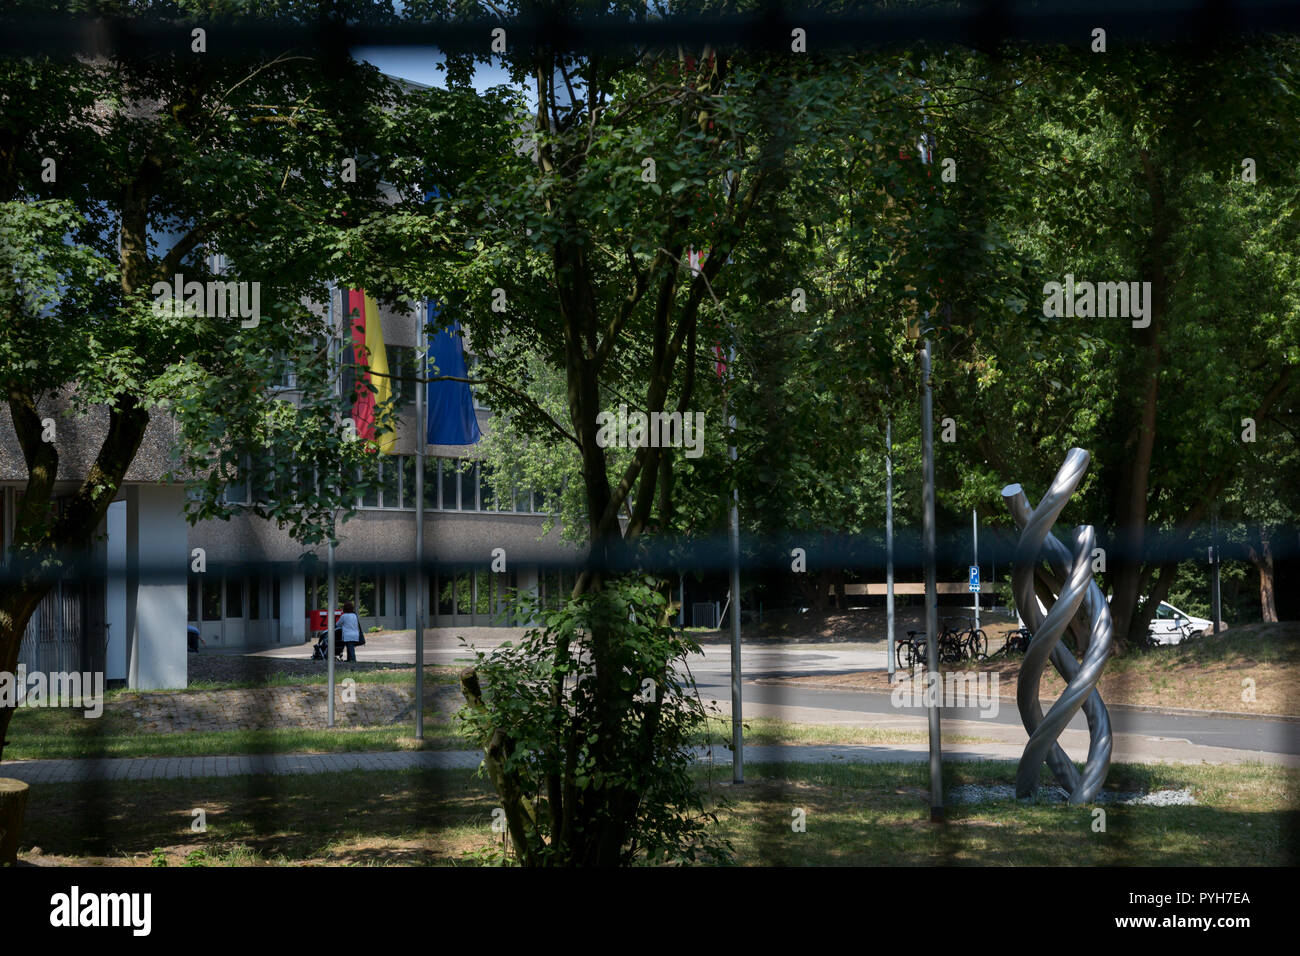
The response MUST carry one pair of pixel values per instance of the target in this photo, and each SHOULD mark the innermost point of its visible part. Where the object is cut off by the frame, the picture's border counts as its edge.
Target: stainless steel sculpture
(1073, 566)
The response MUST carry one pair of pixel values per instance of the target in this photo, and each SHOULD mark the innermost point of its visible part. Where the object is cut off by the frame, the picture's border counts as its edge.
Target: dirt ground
(1250, 669)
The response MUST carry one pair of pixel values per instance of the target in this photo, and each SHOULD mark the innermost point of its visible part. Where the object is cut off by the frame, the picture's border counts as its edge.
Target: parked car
(1172, 626)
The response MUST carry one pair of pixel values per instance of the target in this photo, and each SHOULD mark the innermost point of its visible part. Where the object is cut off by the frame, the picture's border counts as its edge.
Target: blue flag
(451, 406)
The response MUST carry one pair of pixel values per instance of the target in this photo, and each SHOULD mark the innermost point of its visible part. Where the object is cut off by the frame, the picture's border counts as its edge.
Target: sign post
(975, 568)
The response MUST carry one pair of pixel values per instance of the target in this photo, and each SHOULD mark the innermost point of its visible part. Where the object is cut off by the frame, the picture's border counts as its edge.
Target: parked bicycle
(955, 645)
(1017, 642)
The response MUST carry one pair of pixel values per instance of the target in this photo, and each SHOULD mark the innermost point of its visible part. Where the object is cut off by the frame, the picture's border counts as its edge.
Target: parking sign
(974, 578)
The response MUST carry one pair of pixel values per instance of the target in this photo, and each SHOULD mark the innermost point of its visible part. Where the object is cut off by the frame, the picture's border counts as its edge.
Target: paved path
(172, 768)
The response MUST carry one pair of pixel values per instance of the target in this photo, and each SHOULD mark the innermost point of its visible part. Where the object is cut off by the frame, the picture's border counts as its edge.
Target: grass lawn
(1207, 673)
(856, 815)
(52, 733)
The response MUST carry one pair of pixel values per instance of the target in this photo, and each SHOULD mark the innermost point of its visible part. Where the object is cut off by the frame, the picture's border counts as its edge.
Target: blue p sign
(974, 578)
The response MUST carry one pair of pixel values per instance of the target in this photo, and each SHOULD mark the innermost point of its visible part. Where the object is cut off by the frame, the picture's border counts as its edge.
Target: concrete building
(254, 587)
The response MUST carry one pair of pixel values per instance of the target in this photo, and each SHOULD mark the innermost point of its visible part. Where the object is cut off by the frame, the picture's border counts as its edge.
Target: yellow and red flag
(370, 356)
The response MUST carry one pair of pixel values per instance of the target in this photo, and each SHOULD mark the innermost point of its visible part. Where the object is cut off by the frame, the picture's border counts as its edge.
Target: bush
(586, 726)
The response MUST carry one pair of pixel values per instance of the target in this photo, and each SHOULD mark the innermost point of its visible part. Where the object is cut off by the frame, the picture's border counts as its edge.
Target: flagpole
(420, 589)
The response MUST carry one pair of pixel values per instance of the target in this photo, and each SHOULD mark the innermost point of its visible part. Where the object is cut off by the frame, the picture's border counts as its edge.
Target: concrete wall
(157, 559)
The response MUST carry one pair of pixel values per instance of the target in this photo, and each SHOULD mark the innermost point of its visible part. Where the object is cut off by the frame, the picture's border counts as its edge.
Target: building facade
(246, 584)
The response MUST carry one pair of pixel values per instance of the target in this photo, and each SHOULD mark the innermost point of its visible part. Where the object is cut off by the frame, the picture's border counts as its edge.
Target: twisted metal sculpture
(1072, 566)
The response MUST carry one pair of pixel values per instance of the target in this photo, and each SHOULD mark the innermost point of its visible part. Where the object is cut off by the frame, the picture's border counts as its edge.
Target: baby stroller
(321, 651)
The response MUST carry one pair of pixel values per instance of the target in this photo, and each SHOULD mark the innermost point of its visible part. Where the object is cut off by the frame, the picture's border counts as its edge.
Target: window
(445, 594)
(211, 599)
(236, 492)
(408, 481)
(482, 593)
(192, 599)
(468, 485)
(370, 497)
(282, 371)
(485, 488)
(254, 599)
(464, 593)
(366, 603)
(275, 599)
(401, 595)
(450, 483)
(431, 483)
(234, 597)
(402, 365)
(390, 474)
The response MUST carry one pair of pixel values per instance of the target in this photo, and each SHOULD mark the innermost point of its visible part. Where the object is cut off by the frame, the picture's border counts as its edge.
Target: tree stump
(13, 802)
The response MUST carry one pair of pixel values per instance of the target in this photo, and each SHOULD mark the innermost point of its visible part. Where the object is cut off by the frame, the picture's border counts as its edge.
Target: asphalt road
(763, 663)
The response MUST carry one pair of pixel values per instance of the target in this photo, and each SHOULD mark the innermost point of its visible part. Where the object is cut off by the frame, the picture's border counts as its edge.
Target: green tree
(160, 163)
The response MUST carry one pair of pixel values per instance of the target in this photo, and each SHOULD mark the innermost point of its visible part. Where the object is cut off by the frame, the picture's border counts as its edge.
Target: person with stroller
(350, 630)
(347, 635)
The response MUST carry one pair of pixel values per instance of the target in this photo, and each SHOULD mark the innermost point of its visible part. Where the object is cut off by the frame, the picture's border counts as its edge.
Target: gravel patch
(974, 793)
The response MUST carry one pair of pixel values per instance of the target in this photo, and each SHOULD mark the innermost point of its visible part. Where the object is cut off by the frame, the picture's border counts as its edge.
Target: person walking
(350, 628)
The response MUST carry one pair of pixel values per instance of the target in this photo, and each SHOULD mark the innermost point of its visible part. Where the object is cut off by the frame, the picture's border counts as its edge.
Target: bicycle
(1017, 642)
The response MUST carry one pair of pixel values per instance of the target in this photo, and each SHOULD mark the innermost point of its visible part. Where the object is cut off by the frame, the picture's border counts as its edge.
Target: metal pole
(975, 544)
(331, 593)
(681, 599)
(737, 725)
(421, 589)
(889, 545)
(1215, 606)
(931, 591)
(329, 627)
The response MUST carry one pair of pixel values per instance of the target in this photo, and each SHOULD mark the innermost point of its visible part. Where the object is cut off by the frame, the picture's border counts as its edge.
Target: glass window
(254, 599)
(468, 485)
(450, 484)
(402, 365)
(401, 595)
(523, 500)
(482, 592)
(234, 597)
(445, 603)
(551, 588)
(431, 484)
(485, 502)
(365, 596)
(282, 371)
(211, 598)
(464, 593)
(370, 472)
(237, 490)
(390, 472)
(408, 481)
(192, 599)
(275, 599)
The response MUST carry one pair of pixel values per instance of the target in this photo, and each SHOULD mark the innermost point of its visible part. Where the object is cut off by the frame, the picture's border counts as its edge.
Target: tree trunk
(13, 802)
(1261, 557)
